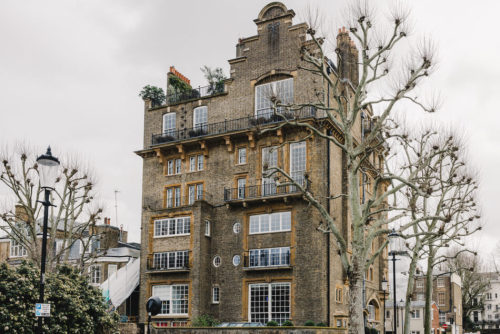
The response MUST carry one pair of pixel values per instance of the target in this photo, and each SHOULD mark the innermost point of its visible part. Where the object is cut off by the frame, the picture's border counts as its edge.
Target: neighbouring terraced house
(219, 237)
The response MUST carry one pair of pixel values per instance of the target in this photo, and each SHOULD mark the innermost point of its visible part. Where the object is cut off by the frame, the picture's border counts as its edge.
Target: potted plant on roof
(215, 79)
(155, 94)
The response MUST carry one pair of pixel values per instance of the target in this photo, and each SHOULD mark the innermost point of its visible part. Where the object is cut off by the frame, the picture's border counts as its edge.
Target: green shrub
(155, 94)
(321, 324)
(205, 320)
(287, 323)
(309, 323)
(272, 323)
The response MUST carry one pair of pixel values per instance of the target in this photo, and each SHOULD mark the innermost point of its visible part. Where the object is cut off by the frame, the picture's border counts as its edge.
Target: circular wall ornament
(236, 260)
(236, 228)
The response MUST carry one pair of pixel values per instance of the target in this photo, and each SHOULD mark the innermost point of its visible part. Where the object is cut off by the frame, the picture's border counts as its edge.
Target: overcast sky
(71, 70)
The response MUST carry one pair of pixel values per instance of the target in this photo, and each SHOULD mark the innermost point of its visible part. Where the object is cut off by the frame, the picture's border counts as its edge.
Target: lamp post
(384, 289)
(393, 237)
(47, 170)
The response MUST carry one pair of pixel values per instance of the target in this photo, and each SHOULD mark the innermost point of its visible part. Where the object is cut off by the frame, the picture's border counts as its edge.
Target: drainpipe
(328, 209)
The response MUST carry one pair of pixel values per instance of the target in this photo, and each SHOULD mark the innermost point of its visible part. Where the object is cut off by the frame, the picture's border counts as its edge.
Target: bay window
(171, 260)
(269, 257)
(274, 222)
(172, 226)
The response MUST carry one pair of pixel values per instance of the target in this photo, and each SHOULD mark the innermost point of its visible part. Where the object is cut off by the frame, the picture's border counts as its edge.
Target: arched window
(282, 90)
(200, 118)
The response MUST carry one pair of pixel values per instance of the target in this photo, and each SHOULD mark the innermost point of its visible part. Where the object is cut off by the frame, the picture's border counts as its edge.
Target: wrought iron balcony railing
(265, 190)
(163, 266)
(227, 126)
(195, 93)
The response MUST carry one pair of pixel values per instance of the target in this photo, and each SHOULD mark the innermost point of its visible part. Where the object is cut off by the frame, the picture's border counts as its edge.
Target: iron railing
(183, 201)
(265, 190)
(195, 93)
(263, 118)
(163, 266)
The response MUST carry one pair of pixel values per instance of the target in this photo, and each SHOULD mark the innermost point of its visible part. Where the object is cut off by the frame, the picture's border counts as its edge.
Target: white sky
(71, 70)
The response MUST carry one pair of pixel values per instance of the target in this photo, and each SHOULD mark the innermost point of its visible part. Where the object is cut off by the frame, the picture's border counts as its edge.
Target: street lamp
(47, 170)
(384, 289)
(393, 238)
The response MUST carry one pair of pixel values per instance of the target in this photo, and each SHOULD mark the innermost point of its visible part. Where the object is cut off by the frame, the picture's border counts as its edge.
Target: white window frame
(269, 157)
(257, 223)
(180, 259)
(420, 284)
(215, 295)
(168, 297)
(269, 300)
(200, 118)
(179, 227)
(283, 89)
(444, 298)
(242, 156)
(178, 166)
(415, 314)
(17, 249)
(192, 163)
(170, 167)
(440, 282)
(169, 123)
(201, 162)
(207, 228)
(281, 252)
(298, 161)
(95, 271)
(242, 185)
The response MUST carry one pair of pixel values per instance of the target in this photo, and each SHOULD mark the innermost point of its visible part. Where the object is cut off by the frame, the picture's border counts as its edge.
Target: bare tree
(71, 219)
(444, 205)
(350, 97)
(475, 281)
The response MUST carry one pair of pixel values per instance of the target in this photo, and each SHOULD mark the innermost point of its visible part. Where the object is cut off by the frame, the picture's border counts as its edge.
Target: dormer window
(282, 90)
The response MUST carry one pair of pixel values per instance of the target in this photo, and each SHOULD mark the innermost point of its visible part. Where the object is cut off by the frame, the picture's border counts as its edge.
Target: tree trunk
(428, 293)
(410, 284)
(356, 322)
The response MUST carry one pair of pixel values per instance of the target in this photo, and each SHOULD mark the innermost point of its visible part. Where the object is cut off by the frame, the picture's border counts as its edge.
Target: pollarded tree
(349, 102)
(71, 219)
(474, 275)
(443, 203)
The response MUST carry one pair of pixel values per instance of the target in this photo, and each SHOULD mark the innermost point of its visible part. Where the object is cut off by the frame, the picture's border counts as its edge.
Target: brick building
(447, 294)
(221, 238)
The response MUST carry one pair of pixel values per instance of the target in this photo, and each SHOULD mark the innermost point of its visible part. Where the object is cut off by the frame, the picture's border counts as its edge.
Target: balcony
(266, 191)
(187, 200)
(195, 93)
(248, 267)
(153, 267)
(228, 126)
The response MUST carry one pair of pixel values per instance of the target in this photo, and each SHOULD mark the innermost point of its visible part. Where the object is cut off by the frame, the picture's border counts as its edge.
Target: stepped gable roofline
(272, 11)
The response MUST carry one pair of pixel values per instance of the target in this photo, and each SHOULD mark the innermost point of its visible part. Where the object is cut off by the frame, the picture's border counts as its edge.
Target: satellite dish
(153, 305)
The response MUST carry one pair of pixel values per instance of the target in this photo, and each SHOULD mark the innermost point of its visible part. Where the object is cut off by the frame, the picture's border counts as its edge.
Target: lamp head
(47, 169)
(384, 285)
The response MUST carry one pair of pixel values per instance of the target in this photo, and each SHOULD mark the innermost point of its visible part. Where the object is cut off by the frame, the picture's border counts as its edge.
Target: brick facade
(317, 282)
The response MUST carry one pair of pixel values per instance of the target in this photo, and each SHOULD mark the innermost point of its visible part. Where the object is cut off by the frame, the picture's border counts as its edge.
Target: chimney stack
(347, 57)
